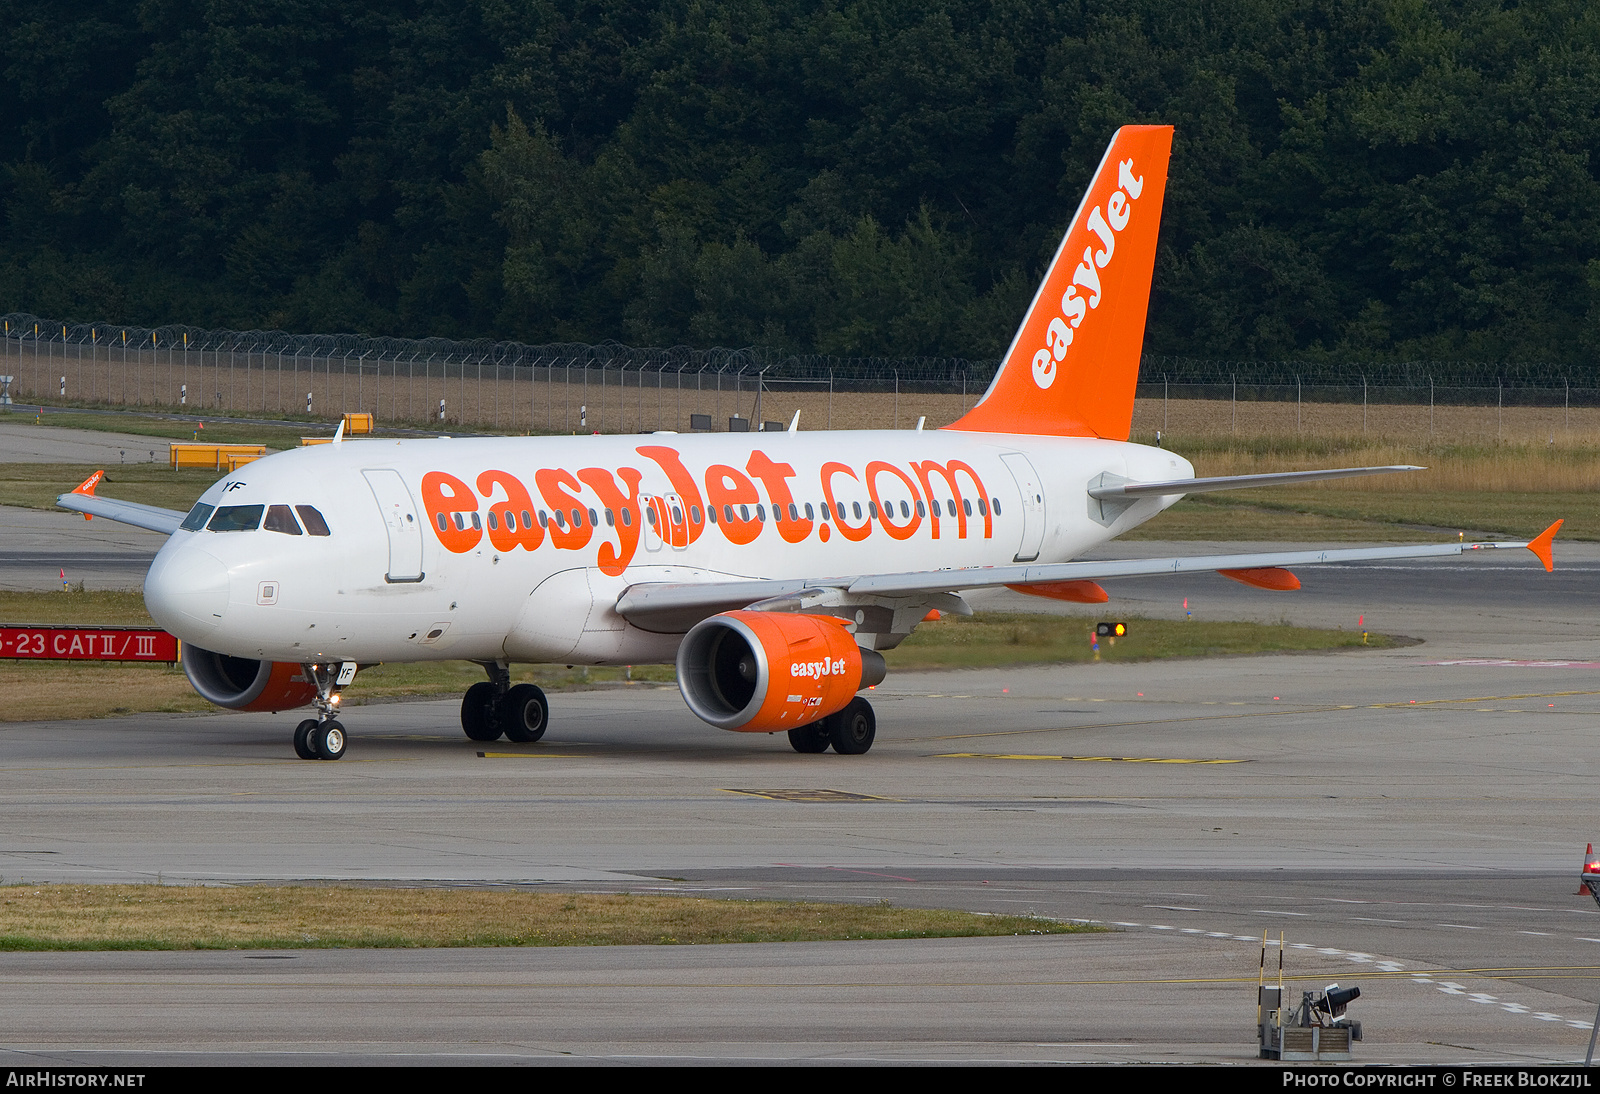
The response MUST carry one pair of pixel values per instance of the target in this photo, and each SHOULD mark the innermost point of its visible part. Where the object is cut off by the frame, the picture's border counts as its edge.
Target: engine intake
(239, 683)
(759, 672)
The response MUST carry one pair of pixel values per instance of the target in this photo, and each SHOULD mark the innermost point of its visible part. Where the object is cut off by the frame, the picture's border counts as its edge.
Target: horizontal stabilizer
(1235, 482)
(149, 517)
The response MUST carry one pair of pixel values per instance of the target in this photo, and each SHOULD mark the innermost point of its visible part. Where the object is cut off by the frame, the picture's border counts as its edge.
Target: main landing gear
(322, 738)
(495, 707)
(851, 731)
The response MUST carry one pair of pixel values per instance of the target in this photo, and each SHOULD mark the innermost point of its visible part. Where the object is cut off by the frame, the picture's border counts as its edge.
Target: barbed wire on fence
(610, 387)
(775, 365)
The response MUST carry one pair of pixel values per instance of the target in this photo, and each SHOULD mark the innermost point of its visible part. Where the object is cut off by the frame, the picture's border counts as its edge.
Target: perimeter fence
(566, 388)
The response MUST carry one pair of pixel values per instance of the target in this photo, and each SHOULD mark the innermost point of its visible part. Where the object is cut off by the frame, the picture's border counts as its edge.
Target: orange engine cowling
(764, 671)
(239, 683)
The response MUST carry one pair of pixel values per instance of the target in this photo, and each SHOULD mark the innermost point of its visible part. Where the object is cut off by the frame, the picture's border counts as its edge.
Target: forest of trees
(1354, 180)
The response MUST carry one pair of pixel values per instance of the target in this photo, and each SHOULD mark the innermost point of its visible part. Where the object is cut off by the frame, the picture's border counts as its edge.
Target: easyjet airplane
(772, 568)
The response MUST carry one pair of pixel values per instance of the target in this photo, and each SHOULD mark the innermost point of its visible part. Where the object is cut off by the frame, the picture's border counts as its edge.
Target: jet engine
(760, 672)
(239, 683)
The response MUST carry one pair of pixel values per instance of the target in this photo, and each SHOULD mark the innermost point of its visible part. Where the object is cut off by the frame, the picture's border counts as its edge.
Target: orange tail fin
(1072, 367)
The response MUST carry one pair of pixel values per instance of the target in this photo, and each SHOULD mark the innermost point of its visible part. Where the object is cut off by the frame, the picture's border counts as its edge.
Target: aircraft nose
(186, 591)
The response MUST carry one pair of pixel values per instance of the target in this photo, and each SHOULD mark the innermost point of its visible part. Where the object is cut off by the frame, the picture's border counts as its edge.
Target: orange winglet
(1077, 592)
(87, 486)
(1266, 577)
(1540, 545)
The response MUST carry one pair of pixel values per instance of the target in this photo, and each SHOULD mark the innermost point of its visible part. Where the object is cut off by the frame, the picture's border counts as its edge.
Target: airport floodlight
(1335, 999)
(1111, 630)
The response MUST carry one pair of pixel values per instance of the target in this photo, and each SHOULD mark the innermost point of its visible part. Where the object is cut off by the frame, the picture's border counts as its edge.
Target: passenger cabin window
(197, 517)
(279, 519)
(314, 523)
(996, 503)
(237, 518)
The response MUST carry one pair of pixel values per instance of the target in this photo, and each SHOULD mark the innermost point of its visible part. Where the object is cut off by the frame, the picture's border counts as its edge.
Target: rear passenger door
(400, 520)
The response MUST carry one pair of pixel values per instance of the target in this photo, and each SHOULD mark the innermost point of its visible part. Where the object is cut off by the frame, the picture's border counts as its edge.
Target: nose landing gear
(495, 708)
(323, 738)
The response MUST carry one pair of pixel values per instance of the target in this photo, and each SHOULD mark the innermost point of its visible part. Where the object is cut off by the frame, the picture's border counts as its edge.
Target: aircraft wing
(664, 603)
(1110, 491)
(150, 517)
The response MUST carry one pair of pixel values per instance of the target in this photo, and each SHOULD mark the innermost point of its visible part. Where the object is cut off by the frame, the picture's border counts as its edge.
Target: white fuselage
(419, 562)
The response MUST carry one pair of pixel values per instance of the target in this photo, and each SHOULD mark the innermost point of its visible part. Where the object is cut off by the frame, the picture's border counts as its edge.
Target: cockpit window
(279, 519)
(197, 517)
(236, 518)
(312, 520)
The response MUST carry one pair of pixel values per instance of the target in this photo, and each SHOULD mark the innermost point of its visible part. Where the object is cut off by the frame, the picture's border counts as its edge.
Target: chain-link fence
(515, 388)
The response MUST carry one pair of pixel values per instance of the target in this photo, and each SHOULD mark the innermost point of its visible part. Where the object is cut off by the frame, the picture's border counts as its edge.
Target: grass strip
(174, 427)
(1013, 638)
(294, 917)
(34, 693)
(37, 485)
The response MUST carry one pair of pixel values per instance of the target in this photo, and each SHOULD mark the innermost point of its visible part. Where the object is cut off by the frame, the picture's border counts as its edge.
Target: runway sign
(88, 644)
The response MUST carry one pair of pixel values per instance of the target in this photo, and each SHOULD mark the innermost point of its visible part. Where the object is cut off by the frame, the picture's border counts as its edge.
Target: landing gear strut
(322, 738)
(495, 707)
(851, 731)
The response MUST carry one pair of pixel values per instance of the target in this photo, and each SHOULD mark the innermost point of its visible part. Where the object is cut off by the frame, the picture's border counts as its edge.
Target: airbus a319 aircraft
(772, 568)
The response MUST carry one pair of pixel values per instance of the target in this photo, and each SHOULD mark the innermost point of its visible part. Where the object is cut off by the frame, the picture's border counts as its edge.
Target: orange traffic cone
(1591, 871)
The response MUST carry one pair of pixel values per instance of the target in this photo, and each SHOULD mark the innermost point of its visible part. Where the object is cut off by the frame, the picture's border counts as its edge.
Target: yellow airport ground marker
(1080, 759)
(1484, 699)
(807, 795)
(529, 755)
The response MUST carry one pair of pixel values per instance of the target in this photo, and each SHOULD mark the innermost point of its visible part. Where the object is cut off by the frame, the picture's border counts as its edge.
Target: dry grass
(154, 917)
(1449, 468)
(1402, 424)
(509, 400)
